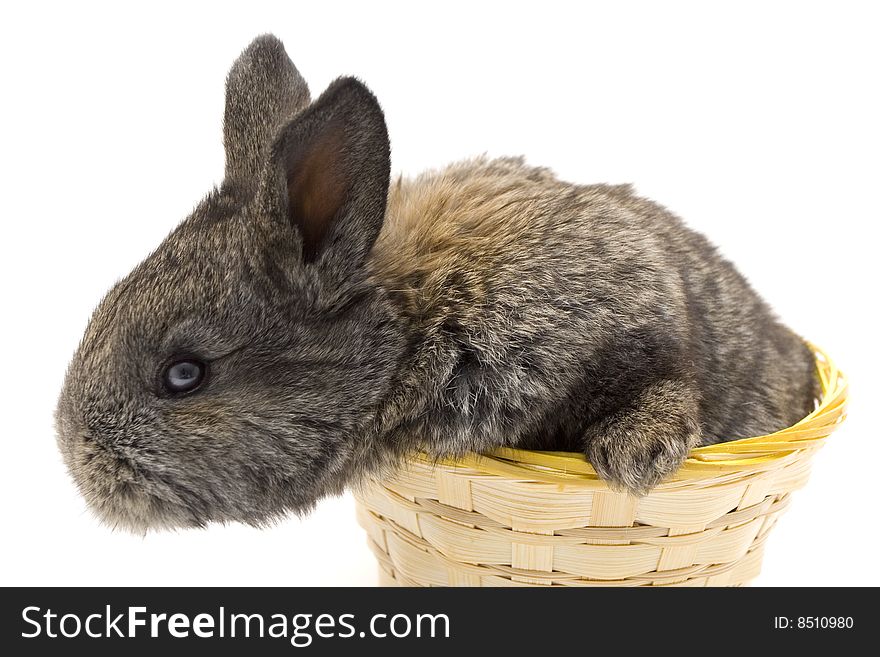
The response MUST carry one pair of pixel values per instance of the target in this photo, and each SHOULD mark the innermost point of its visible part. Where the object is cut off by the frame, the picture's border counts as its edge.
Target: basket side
(519, 518)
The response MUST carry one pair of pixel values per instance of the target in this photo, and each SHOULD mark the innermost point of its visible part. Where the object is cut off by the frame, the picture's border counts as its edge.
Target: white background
(755, 121)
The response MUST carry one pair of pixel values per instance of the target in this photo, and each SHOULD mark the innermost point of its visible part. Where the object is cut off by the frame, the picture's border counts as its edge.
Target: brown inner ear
(317, 189)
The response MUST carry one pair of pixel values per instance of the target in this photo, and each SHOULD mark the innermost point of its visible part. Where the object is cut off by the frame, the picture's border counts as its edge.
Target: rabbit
(311, 323)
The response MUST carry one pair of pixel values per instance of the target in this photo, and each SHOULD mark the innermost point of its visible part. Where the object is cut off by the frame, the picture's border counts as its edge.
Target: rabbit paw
(638, 446)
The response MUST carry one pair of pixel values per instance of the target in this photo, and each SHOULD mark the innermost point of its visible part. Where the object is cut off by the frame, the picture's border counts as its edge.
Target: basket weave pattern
(525, 518)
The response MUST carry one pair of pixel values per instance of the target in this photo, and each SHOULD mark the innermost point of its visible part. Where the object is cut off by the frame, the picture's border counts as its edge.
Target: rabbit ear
(263, 91)
(328, 176)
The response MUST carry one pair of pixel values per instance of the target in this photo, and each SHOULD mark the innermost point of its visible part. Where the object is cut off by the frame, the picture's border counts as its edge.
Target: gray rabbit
(311, 323)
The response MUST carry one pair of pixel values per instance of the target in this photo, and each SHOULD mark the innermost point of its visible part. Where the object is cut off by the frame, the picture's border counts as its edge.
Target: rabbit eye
(184, 375)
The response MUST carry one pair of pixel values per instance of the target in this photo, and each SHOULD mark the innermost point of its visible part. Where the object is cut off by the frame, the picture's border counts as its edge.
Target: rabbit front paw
(641, 444)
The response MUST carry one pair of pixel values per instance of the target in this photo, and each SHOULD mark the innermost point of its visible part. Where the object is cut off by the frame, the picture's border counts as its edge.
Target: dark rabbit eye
(184, 375)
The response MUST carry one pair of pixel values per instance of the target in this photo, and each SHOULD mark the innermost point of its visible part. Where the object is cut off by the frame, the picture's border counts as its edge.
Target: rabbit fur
(345, 321)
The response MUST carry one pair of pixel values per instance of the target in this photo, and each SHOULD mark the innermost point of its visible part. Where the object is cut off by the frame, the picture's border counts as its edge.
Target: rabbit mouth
(120, 492)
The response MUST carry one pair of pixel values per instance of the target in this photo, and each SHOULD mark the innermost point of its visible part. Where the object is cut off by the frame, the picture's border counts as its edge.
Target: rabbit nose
(67, 425)
(77, 441)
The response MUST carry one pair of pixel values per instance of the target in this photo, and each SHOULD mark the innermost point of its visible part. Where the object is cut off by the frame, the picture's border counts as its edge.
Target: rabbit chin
(129, 506)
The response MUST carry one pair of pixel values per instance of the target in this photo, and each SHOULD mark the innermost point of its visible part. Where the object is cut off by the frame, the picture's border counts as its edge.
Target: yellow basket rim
(742, 456)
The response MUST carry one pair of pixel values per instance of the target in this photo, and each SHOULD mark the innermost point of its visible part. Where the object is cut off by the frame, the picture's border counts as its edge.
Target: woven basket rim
(712, 462)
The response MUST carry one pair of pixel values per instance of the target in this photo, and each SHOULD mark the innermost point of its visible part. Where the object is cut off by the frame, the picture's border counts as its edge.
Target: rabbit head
(225, 377)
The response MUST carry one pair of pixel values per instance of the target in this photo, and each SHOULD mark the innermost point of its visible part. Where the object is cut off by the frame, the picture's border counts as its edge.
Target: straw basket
(525, 518)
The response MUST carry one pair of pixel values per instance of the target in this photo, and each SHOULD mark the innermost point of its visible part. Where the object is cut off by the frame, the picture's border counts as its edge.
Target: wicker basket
(525, 518)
